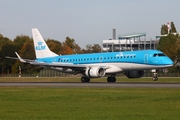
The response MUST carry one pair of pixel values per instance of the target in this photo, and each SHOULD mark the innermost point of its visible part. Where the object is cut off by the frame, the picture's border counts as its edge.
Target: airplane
(96, 65)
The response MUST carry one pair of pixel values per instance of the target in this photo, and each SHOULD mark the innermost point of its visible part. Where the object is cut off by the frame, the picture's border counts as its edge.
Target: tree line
(24, 46)
(169, 43)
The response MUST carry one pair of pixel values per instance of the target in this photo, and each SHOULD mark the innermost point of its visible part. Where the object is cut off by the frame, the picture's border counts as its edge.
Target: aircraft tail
(40, 46)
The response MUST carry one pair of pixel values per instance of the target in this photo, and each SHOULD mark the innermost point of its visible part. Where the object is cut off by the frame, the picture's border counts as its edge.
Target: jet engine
(95, 72)
(134, 74)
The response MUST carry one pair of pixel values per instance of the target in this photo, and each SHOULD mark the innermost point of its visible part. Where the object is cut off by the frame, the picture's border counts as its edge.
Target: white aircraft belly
(120, 67)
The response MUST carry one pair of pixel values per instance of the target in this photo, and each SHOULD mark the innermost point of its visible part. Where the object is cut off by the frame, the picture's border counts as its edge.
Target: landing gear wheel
(85, 79)
(155, 76)
(111, 79)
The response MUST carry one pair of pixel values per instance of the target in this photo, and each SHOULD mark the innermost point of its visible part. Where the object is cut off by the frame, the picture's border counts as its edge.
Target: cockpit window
(155, 55)
(158, 55)
(161, 54)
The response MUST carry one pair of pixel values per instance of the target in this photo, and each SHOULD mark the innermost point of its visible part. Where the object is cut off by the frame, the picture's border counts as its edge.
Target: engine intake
(134, 74)
(95, 72)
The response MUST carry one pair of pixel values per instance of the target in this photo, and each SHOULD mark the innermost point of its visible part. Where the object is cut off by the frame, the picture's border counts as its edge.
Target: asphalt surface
(95, 84)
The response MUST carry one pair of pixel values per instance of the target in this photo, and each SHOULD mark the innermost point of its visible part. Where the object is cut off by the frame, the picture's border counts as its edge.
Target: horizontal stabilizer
(19, 58)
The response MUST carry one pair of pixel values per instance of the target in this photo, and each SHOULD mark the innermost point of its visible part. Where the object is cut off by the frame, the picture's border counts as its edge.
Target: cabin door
(146, 58)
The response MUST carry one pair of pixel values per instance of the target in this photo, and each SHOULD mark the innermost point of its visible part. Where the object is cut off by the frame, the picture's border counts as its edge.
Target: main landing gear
(85, 79)
(111, 78)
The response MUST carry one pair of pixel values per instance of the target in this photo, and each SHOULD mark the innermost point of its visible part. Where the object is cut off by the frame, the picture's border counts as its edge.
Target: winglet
(20, 57)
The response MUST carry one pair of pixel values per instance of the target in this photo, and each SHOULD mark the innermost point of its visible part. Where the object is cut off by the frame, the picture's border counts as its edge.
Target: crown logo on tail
(40, 43)
(40, 46)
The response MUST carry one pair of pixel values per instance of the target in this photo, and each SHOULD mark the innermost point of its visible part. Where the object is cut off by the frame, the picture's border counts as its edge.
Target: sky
(87, 21)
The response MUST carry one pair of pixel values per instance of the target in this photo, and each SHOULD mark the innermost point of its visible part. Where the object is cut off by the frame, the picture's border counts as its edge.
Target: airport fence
(163, 74)
(51, 73)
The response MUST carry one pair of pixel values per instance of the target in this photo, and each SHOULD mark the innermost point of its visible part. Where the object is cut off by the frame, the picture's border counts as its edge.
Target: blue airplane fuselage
(142, 59)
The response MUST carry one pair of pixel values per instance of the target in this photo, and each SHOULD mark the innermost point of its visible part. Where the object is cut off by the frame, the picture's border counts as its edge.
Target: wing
(55, 64)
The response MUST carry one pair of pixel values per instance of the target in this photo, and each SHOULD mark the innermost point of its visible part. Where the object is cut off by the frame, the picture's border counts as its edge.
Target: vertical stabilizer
(40, 46)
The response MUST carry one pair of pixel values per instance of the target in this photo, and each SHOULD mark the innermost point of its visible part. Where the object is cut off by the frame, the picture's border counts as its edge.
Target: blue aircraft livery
(96, 65)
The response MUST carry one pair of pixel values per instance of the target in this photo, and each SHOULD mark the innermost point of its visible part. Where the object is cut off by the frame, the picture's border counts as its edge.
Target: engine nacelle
(134, 74)
(95, 72)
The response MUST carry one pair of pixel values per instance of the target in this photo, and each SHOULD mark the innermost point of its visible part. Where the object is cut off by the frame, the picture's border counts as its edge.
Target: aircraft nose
(168, 61)
(171, 63)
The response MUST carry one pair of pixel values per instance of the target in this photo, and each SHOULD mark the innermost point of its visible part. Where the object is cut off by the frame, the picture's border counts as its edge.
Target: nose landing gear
(155, 76)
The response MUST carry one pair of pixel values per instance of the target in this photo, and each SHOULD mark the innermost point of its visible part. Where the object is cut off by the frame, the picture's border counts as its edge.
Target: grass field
(45, 103)
(89, 103)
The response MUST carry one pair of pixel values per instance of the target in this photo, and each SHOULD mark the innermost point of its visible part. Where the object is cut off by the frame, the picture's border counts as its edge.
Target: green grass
(77, 79)
(89, 103)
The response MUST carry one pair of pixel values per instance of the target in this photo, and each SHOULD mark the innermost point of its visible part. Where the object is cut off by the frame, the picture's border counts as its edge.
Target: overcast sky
(87, 21)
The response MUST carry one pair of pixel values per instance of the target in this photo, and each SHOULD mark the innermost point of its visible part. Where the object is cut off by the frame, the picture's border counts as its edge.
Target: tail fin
(40, 46)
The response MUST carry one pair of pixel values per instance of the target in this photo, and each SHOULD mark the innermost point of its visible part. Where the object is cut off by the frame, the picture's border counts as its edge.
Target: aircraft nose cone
(166, 62)
(169, 62)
